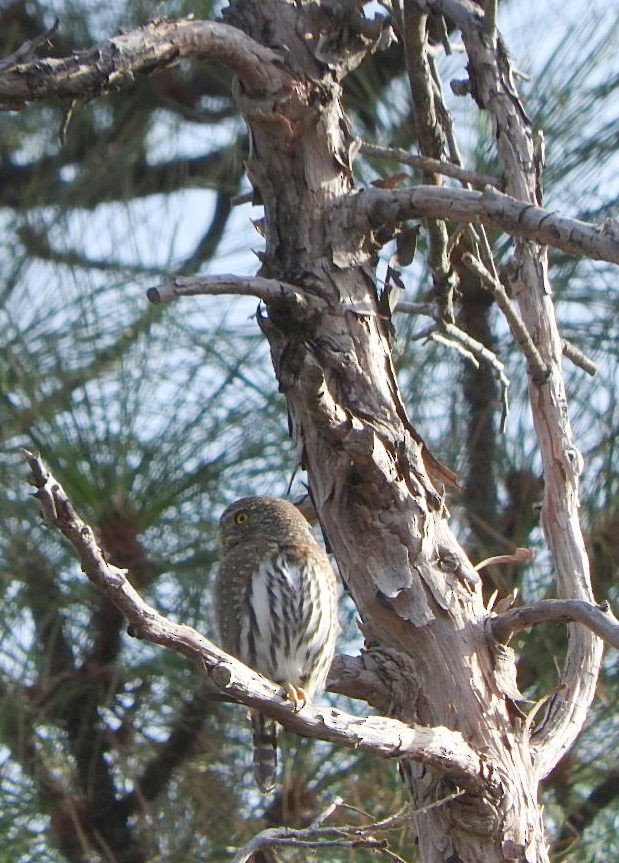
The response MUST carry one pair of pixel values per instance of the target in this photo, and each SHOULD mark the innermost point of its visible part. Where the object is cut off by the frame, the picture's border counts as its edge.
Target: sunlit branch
(267, 290)
(316, 836)
(598, 618)
(426, 164)
(537, 367)
(439, 747)
(578, 357)
(115, 62)
(374, 207)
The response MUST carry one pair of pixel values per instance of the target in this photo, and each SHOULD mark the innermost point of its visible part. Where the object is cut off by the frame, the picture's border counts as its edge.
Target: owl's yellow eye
(241, 517)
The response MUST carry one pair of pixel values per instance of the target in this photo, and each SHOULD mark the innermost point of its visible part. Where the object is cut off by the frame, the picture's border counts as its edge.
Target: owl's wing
(226, 616)
(230, 591)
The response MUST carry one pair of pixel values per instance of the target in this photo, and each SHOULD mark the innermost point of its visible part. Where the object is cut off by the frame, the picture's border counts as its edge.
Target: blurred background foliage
(155, 417)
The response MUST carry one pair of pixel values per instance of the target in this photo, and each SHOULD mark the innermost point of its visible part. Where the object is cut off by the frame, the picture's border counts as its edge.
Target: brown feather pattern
(276, 606)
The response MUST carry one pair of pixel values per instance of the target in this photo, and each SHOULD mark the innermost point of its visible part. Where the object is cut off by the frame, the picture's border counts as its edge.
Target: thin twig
(537, 366)
(440, 337)
(350, 835)
(425, 164)
(480, 350)
(520, 555)
(407, 308)
(478, 237)
(26, 52)
(287, 837)
(322, 817)
(426, 333)
(578, 357)
(454, 337)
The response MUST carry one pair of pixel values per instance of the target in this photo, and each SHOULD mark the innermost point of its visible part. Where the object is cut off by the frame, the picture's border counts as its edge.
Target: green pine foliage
(154, 418)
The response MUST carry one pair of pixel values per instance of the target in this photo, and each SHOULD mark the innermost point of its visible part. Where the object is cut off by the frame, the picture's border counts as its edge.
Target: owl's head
(270, 518)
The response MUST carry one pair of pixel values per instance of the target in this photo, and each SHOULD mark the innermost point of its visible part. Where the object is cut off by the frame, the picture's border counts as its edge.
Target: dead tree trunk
(417, 594)
(375, 486)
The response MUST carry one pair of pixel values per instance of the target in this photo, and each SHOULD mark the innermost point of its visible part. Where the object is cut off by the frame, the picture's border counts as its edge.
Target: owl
(275, 600)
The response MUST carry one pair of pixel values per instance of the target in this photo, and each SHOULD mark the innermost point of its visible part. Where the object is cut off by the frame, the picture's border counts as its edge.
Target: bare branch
(579, 358)
(480, 350)
(537, 367)
(407, 308)
(431, 140)
(376, 207)
(454, 337)
(599, 618)
(114, 63)
(312, 838)
(493, 87)
(351, 835)
(520, 555)
(439, 747)
(426, 165)
(267, 290)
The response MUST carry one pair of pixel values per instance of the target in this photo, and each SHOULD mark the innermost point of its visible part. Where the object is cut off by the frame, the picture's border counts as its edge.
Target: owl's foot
(296, 695)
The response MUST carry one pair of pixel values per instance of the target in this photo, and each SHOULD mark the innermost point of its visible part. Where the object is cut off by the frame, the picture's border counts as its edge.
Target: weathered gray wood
(439, 673)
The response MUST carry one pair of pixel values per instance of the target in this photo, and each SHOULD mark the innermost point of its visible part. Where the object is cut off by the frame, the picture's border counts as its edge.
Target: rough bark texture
(415, 590)
(371, 477)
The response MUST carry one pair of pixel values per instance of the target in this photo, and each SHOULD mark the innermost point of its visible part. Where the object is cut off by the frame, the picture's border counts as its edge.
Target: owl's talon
(296, 695)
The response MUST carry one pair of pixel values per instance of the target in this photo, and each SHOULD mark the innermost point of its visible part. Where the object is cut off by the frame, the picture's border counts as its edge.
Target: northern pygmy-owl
(276, 607)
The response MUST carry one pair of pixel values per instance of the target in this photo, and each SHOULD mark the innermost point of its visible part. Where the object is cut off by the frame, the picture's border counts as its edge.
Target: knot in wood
(449, 561)
(221, 676)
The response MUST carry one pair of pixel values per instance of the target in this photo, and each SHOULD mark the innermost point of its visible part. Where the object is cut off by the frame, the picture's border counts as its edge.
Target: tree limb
(580, 359)
(373, 208)
(115, 62)
(267, 290)
(537, 367)
(427, 164)
(439, 747)
(316, 836)
(599, 618)
(431, 140)
(493, 88)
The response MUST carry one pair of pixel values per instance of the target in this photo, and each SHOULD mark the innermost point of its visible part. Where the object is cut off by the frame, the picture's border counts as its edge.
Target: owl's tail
(265, 751)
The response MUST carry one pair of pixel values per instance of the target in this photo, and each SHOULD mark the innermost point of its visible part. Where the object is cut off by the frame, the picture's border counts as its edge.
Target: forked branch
(317, 836)
(427, 165)
(493, 87)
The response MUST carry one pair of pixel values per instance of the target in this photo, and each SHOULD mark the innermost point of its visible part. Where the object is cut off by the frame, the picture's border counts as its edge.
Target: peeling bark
(416, 591)
(446, 685)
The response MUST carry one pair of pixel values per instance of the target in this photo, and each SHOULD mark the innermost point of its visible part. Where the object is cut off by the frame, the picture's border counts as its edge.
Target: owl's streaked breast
(285, 632)
(275, 600)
